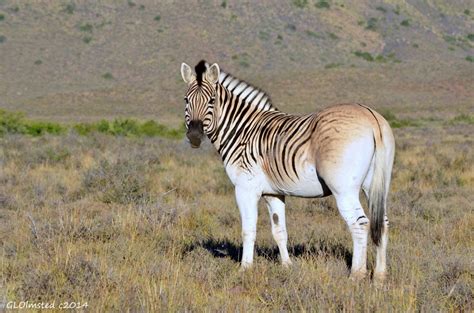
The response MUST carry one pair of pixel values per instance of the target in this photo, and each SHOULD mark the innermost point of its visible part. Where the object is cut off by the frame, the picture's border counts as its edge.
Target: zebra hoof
(287, 263)
(245, 266)
(358, 275)
(379, 279)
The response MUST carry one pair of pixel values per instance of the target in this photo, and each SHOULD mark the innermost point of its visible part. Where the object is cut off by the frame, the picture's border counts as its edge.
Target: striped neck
(241, 107)
(249, 94)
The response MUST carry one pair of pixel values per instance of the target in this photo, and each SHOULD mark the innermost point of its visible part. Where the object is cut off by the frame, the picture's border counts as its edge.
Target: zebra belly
(309, 185)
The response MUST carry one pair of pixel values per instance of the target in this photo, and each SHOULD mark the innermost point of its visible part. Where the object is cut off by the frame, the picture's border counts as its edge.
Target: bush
(364, 55)
(38, 128)
(11, 122)
(322, 4)
(405, 23)
(300, 3)
(397, 123)
(14, 123)
(371, 24)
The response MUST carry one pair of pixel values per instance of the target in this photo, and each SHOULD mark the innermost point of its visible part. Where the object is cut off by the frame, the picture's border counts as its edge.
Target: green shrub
(11, 122)
(371, 24)
(108, 76)
(381, 9)
(470, 58)
(470, 37)
(322, 4)
(405, 23)
(2, 17)
(86, 28)
(2, 38)
(300, 3)
(38, 128)
(463, 119)
(157, 18)
(364, 55)
(70, 8)
(87, 39)
(396, 122)
(38, 62)
(15, 123)
(313, 34)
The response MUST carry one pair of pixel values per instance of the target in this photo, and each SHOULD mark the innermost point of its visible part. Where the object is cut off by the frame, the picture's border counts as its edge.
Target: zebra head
(199, 99)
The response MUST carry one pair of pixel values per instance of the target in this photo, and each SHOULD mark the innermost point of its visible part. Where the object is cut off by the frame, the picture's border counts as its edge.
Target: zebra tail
(377, 194)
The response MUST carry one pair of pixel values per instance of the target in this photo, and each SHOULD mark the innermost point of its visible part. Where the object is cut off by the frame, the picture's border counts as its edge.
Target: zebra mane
(250, 94)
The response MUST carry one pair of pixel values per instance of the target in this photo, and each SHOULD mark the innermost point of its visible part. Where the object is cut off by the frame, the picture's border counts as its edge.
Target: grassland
(139, 224)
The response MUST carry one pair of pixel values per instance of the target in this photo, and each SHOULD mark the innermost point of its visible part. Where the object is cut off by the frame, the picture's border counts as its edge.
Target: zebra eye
(212, 100)
(186, 100)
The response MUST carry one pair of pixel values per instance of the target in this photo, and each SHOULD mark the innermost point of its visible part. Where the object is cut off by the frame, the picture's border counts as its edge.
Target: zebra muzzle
(195, 133)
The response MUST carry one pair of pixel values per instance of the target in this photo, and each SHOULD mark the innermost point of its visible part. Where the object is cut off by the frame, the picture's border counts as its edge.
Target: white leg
(247, 201)
(381, 262)
(351, 210)
(276, 208)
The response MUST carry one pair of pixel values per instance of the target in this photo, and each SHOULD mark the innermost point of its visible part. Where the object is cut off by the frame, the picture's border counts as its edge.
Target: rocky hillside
(91, 59)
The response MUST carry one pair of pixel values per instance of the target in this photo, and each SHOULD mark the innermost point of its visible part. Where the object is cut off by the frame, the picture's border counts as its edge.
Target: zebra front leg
(247, 201)
(276, 208)
(351, 210)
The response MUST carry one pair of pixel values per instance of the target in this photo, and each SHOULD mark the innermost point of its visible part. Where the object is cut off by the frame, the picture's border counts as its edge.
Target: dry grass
(140, 224)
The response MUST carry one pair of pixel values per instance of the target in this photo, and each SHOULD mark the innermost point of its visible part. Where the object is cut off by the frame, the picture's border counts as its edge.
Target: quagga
(271, 154)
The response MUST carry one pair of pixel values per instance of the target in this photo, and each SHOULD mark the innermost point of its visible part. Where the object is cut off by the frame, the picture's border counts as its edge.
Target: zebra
(271, 154)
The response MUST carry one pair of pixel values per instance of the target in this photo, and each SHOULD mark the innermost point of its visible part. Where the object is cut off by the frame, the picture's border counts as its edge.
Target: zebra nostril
(195, 133)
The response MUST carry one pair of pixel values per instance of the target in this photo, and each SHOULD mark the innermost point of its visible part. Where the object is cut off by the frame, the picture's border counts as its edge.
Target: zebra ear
(187, 73)
(213, 73)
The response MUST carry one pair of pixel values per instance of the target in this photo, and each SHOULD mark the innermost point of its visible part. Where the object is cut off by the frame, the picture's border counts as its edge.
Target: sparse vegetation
(467, 12)
(157, 18)
(87, 39)
(38, 62)
(3, 38)
(377, 58)
(2, 17)
(381, 9)
(224, 4)
(470, 37)
(470, 58)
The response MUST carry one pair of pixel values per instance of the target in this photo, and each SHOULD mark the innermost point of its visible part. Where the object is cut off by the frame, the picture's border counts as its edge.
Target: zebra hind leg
(276, 209)
(381, 262)
(351, 210)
